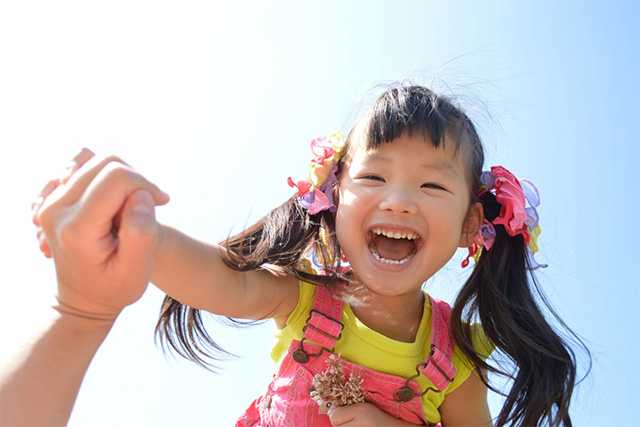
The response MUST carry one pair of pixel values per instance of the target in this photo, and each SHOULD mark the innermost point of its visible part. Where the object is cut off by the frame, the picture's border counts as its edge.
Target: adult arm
(40, 384)
(102, 244)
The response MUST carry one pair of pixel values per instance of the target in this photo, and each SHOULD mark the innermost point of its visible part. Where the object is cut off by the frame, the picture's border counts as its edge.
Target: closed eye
(372, 177)
(433, 186)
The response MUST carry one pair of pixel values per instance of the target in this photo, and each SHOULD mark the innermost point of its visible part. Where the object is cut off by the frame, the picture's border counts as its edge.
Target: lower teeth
(374, 251)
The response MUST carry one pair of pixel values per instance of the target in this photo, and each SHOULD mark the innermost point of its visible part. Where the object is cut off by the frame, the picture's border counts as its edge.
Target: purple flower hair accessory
(486, 235)
(315, 193)
(515, 216)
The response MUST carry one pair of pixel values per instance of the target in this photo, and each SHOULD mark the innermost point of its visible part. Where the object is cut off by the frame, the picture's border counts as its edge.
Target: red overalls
(287, 401)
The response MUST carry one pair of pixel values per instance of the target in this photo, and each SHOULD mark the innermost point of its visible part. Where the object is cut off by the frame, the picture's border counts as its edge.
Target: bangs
(418, 111)
(413, 110)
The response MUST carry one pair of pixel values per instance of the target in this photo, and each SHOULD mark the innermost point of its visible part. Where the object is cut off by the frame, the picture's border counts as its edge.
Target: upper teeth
(395, 234)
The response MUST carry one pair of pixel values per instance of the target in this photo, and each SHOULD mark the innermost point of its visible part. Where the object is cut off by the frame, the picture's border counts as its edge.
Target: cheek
(448, 218)
(348, 229)
(342, 221)
(344, 196)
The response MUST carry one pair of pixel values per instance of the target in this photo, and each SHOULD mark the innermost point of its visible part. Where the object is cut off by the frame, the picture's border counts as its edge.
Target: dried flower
(333, 386)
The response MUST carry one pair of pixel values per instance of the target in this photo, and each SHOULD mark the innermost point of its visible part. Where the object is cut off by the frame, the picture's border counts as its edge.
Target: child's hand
(98, 224)
(362, 414)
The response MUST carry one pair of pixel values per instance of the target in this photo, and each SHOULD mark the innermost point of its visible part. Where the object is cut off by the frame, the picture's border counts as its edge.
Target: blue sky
(217, 101)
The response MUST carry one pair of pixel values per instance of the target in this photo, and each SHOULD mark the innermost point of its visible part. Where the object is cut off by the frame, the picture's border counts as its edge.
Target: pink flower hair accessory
(515, 215)
(315, 192)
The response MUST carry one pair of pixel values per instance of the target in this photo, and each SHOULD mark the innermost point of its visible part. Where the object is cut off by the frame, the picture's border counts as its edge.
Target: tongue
(393, 249)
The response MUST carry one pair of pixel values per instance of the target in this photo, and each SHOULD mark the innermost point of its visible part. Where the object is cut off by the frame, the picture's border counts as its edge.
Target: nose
(398, 201)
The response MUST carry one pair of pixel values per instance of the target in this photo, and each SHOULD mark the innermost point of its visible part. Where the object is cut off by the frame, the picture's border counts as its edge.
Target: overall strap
(323, 327)
(438, 366)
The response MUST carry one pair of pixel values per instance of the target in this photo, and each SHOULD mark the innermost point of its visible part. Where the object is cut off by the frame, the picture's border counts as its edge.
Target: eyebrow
(443, 166)
(440, 165)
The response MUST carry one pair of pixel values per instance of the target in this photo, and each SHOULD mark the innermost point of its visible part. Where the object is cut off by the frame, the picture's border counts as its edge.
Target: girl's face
(403, 210)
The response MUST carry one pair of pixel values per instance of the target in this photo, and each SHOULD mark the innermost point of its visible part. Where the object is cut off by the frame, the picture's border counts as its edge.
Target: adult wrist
(83, 320)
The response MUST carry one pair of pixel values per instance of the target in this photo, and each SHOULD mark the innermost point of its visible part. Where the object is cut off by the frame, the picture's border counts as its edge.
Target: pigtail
(502, 294)
(279, 241)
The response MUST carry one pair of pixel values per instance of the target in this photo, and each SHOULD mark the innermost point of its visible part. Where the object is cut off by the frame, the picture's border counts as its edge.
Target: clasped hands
(97, 221)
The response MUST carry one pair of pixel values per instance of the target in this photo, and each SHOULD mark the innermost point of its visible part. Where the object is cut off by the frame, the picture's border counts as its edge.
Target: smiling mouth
(393, 247)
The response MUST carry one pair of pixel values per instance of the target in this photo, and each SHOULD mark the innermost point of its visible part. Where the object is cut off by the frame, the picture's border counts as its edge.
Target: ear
(335, 191)
(471, 225)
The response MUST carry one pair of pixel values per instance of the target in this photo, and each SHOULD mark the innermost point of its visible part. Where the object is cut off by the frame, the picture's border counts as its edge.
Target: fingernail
(79, 159)
(84, 151)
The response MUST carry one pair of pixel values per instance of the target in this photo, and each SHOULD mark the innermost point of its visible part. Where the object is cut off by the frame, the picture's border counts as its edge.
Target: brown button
(300, 356)
(404, 394)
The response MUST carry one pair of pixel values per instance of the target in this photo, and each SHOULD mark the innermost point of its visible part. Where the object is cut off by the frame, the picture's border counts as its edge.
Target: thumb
(137, 236)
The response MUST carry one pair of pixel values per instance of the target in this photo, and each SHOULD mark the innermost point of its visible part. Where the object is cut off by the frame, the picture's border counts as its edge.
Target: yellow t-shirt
(363, 346)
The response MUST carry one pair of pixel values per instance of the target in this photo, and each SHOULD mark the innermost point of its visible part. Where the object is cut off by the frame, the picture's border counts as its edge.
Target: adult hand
(362, 414)
(97, 222)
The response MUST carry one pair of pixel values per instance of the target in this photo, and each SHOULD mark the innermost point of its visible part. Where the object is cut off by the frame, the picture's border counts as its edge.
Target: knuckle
(42, 198)
(45, 217)
(68, 235)
(48, 214)
(113, 167)
(113, 159)
(118, 172)
(50, 186)
(40, 235)
(35, 214)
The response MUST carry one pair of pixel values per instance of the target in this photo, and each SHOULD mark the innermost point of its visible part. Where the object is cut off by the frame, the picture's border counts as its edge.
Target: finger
(137, 236)
(339, 415)
(105, 198)
(69, 194)
(78, 161)
(42, 240)
(79, 181)
(39, 201)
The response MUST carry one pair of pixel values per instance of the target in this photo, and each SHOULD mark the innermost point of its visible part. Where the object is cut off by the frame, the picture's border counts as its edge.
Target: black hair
(279, 241)
(501, 292)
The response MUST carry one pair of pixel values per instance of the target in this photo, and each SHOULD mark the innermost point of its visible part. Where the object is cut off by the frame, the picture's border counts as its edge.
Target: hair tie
(315, 193)
(515, 215)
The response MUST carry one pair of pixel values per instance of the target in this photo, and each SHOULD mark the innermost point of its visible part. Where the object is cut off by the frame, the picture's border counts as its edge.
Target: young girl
(340, 268)
(381, 213)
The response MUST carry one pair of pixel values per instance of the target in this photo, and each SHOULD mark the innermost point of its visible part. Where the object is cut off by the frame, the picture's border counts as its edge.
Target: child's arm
(467, 405)
(194, 273)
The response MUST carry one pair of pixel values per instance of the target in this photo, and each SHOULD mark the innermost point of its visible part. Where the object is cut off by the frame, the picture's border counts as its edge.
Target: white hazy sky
(216, 101)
